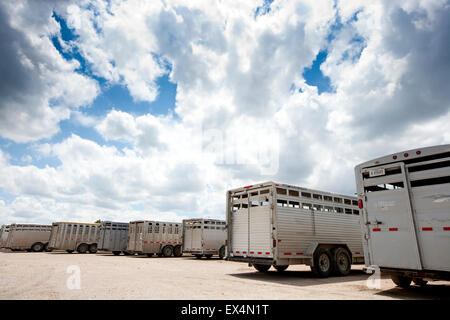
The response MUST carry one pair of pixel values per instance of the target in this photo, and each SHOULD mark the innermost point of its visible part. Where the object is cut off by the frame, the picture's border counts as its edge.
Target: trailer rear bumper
(422, 274)
(251, 260)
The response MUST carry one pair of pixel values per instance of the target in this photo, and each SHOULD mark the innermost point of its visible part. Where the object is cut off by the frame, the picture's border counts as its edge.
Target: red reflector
(287, 253)
(360, 204)
(394, 157)
(446, 228)
(393, 229)
(244, 251)
(376, 229)
(267, 252)
(427, 229)
(418, 152)
(237, 251)
(274, 243)
(357, 252)
(406, 155)
(299, 253)
(247, 187)
(259, 252)
(252, 252)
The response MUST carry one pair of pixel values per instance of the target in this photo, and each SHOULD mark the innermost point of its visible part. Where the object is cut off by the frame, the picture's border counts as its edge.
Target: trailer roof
(407, 155)
(71, 222)
(203, 219)
(154, 221)
(284, 185)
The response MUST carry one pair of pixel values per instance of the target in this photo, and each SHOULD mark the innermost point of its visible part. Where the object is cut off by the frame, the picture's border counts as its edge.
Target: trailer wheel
(126, 253)
(82, 248)
(46, 248)
(177, 251)
(420, 282)
(262, 267)
(149, 255)
(167, 251)
(93, 248)
(37, 247)
(281, 268)
(342, 262)
(222, 252)
(208, 256)
(323, 263)
(69, 251)
(198, 256)
(402, 282)
(116, 253)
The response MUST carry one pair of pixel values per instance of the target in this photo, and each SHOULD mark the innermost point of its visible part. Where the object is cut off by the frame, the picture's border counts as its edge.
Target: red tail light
(248, 187)
(360, 204)
(406, 155)
(394, 157)
(274, 243)
(418, 152)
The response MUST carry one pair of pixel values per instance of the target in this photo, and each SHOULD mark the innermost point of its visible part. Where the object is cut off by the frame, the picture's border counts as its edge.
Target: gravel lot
(104, 276)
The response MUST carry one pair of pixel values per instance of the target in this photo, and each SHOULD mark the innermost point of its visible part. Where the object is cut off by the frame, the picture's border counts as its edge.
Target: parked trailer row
(155, 237)
(30, 237)
(278, 225)
(204, 237)
(71, 236)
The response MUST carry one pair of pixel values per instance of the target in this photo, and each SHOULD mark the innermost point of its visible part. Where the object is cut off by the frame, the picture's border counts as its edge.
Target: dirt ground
(26, 275)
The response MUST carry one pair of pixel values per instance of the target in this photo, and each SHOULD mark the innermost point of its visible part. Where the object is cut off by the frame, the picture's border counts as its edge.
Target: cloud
(38, 86)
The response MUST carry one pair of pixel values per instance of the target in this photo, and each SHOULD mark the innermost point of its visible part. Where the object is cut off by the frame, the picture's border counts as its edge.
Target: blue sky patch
(314, 76)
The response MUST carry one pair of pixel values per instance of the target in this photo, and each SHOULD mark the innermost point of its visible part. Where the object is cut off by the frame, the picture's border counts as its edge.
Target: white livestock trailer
(30, 237)
(204, 237)
(114, 237)
(279, 224)
(155, 237)
(4, 235)
(405, 220)
(71, 236)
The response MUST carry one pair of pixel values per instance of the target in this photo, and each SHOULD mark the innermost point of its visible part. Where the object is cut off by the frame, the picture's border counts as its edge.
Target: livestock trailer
(4, 235)
(204, 237)
(155, 237)
(405, 220)
(271, 224)
(114, 237)
(30, 237)
(71, 236)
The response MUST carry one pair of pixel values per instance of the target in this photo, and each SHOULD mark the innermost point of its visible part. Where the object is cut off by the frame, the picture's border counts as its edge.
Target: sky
(127, 110)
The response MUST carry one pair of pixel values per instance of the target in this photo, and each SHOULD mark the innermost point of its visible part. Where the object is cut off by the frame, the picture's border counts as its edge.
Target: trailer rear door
(389, 218)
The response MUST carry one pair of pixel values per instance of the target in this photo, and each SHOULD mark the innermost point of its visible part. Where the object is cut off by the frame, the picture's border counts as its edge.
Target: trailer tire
(93, 248)
(116, 253)
(149, 255)
(198, 256)
(323, 263)
(126, 253)
(420, 282)
(37, 247)
(208, 256)
(167, 251)
(83, 248)
(46, 248)
(281, 268)
(177, 251)
(222, 252)
(69, 251)
(342, 262)
(402, 282)
(262, 267)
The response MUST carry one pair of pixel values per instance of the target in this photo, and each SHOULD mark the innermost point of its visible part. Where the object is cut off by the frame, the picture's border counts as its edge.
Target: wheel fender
(310, 251)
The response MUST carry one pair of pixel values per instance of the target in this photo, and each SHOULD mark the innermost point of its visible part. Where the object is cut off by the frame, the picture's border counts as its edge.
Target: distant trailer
(4, 235)
(272, 224)
(114, 237)
(155, 237)
(71, 236)
(204, 237)
(30, 237)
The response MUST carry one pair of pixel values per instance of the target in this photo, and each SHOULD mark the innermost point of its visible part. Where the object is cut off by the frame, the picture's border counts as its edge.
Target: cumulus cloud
(244, 113)
(38, 86)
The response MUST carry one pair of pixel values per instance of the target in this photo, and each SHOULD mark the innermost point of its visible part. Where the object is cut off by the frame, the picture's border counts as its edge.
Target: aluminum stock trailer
(278, 225)
(155, 237)
(204, 237)
(30, 237)
(71, 236)
(4, 235)
(405, 220)
(114, 237)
